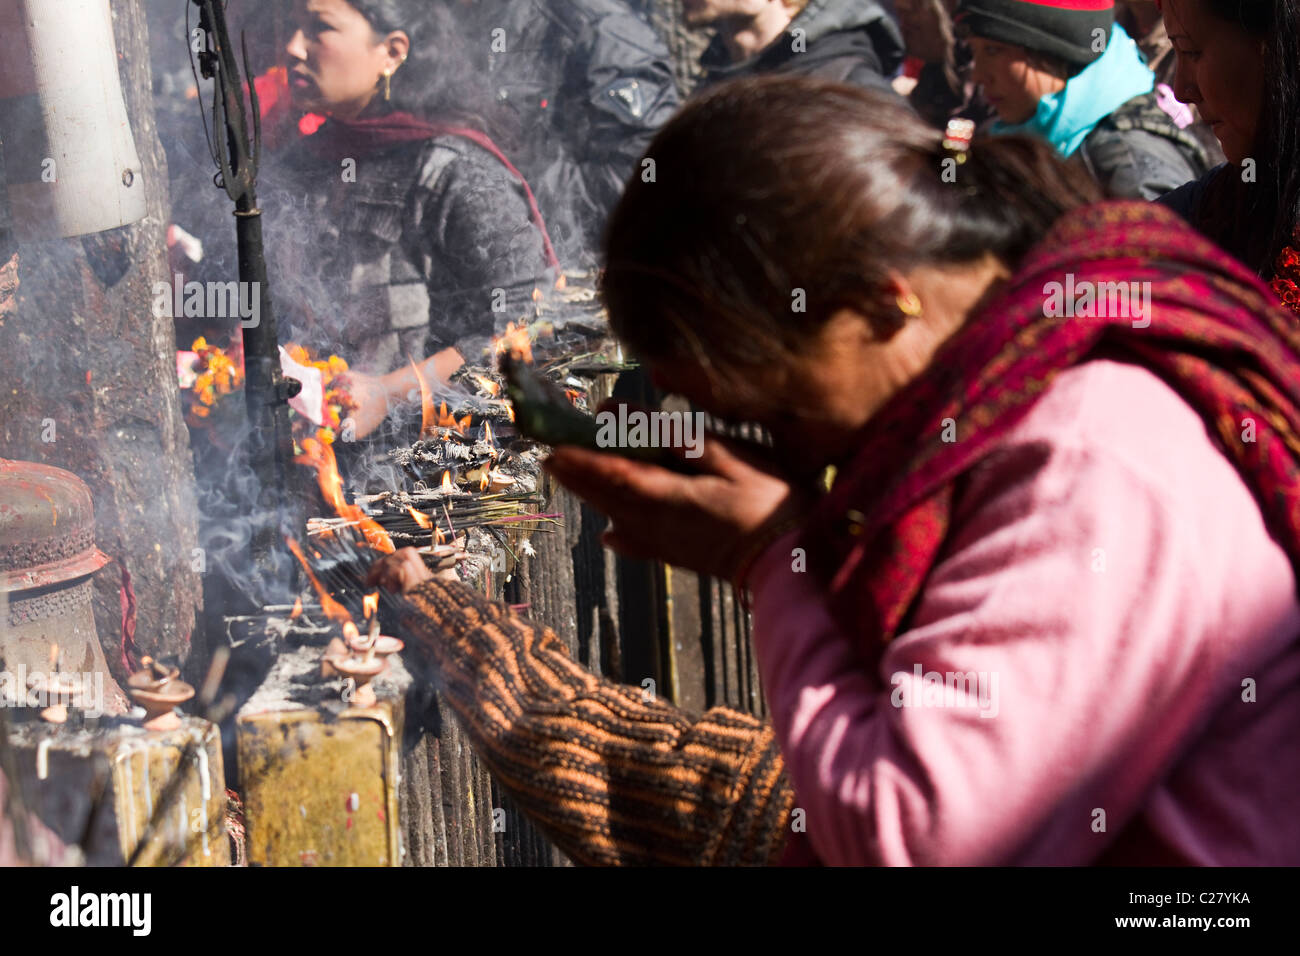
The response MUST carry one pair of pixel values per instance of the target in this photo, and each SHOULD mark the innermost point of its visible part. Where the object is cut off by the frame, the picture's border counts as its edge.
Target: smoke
(354, 267)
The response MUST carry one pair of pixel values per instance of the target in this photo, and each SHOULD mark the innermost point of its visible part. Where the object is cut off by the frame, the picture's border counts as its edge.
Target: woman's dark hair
(441, 80)
(1254, 220)
(768, 204)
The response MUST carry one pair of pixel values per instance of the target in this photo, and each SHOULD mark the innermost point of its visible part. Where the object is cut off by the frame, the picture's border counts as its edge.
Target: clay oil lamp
(362, 670)
(374, 644)
(159, 690)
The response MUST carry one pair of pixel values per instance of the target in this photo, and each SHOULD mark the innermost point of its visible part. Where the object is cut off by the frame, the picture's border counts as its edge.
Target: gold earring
(388, 89)
(909, 305)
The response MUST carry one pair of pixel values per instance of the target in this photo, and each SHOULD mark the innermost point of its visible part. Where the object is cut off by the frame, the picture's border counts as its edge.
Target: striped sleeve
(611, 778)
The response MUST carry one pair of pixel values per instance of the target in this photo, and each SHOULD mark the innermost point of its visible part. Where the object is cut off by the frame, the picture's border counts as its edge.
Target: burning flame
(515, 340)
(331, 608)
(427, 422)
(446, 482)
(561, 283)
(489, 386)
(482, 485)
(370, 604)
(422, 519)
(351, 634)
(320, 456)
(537, 295)
(487, 433)
(297, 608)
(444, 419)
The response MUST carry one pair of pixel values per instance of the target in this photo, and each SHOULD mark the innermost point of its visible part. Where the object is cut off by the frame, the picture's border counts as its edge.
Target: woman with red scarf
(398, 229)
(1046, 612)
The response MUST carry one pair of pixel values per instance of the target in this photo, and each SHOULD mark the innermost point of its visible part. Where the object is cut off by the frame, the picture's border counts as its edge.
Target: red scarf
(1215, 335)
(368, 136)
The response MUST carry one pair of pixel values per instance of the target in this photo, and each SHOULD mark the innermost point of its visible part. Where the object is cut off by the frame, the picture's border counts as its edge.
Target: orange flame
(482, 485)
(489, 386)
(487, 433)
(370, 604)
(561, 283)
(537, 295)
(350, 633)
(422, 519)
(446, 419)
(446, 482)
(331, 608)
(426, 402)
(320, 456)
(515, 340)
(297, 609)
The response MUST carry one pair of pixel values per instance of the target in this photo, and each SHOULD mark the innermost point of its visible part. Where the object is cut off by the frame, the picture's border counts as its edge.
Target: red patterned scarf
(1215, 335)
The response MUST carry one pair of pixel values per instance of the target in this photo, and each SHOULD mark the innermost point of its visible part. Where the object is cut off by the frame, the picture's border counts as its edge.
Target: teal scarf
(1065, 119)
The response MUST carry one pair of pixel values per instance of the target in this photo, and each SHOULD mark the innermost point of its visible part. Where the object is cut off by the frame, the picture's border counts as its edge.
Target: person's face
(1012, 84)
(703, 13)
(336, 62)
(1220, 69)
(815, 402)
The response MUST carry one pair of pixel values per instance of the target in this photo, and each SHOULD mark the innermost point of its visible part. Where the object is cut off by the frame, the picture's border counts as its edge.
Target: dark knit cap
(1063, 29)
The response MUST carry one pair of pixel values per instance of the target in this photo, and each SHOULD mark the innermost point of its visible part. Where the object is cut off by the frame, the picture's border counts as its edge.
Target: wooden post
(89, 384)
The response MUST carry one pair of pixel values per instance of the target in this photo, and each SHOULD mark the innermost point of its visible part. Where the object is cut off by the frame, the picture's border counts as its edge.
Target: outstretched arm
(611, 778)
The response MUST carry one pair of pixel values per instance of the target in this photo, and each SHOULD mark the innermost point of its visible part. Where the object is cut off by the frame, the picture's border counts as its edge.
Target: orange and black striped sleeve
(611, 778)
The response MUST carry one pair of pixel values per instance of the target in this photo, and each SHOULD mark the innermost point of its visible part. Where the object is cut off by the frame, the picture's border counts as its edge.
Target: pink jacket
(1102, 667)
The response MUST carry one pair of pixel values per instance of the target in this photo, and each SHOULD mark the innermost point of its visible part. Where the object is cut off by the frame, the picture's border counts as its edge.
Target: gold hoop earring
(909, 305)
(388, 88)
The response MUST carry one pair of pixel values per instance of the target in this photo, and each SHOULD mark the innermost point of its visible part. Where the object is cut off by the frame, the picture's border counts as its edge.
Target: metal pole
(237, 154)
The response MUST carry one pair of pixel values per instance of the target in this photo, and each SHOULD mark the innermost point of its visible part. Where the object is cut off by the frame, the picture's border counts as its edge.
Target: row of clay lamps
(360, 658)
(158, 689)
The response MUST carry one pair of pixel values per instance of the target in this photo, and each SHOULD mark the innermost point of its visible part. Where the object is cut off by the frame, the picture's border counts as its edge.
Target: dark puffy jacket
(1138, 151)
(432, 246)
(852, 41)
(590, 83)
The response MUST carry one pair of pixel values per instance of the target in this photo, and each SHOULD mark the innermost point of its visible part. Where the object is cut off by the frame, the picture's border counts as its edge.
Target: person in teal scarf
(1065, 72)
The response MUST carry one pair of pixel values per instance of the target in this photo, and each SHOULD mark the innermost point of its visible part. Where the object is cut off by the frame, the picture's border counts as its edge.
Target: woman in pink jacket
(1046, 612)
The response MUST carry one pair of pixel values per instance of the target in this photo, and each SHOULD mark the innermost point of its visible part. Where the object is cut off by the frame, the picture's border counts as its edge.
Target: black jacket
(589, 82)
(431, 246)
(1138, 151)
(852, 41)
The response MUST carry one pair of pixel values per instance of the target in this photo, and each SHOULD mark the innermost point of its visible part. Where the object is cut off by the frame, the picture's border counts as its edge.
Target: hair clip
(957, 138)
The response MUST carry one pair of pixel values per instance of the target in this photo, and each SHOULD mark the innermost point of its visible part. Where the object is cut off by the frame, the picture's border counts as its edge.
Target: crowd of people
(1087, 511)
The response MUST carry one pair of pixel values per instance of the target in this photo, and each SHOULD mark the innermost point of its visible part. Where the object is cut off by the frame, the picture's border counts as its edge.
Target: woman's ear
(398, 46)
(898, 288)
